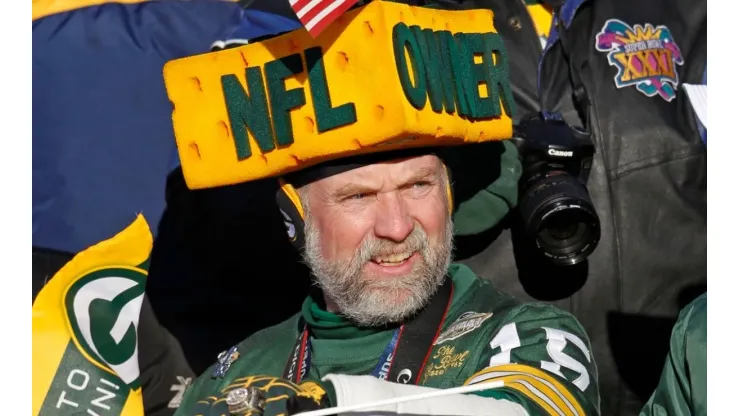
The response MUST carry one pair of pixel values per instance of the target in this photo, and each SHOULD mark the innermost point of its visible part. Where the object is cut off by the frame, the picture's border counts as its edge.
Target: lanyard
(405, 355)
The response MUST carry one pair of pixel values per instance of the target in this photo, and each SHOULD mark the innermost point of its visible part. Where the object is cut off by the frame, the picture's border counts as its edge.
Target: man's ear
(289, 203)
(450, 190)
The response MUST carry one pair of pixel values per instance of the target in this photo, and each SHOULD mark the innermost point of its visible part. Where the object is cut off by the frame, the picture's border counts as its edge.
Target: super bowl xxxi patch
(645, 56)
(466, 323)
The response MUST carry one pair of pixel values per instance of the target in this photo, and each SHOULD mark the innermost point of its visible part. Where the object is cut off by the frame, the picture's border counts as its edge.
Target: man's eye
(420, 185)
(357, 197)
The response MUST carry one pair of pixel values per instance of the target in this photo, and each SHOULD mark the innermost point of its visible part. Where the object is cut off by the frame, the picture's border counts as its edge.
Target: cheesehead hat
(382, 77)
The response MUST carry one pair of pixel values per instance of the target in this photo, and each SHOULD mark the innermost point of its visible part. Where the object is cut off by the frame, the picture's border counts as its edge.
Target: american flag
(318, 14)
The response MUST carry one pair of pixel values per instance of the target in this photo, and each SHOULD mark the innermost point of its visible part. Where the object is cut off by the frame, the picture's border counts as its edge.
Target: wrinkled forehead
(389, 173)
(398, 169)
(335, 167)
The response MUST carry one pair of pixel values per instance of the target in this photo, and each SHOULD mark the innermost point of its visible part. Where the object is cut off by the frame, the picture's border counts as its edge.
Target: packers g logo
(103, 309)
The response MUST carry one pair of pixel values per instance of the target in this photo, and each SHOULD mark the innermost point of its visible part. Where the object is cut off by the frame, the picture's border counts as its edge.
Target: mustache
(373, 247)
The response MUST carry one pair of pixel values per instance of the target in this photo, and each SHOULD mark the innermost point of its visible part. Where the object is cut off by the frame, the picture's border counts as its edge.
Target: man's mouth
(393, 259)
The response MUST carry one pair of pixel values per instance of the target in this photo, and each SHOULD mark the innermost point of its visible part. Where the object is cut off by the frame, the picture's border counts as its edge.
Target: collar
(328, 325)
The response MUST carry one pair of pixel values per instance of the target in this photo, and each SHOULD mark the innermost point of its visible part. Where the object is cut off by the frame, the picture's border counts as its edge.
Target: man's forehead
(397, 169)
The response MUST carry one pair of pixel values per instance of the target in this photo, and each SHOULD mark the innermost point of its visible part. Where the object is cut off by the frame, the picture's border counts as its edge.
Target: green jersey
(682, 389)
(541, 353)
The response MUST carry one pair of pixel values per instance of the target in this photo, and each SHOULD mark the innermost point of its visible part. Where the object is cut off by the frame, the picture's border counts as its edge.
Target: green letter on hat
(327, 118)
(282, 100)
(248, 112)
(404, 40)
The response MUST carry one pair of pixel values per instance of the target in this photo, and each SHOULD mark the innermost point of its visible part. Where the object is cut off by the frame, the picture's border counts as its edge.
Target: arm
(354, 390)
(682, 389)
(543, 356)
(192, 400)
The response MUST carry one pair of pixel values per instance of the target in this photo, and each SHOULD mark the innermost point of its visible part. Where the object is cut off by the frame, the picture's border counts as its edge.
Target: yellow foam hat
(384, 76)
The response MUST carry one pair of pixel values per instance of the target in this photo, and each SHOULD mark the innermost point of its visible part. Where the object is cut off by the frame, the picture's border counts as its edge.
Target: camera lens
(559, 215)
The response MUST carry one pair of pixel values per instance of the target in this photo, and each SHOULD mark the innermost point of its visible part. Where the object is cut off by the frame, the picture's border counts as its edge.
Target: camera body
(548, 143)
(554, 203)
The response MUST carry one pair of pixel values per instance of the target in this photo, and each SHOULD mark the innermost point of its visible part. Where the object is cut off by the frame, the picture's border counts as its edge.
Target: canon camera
(554, 204)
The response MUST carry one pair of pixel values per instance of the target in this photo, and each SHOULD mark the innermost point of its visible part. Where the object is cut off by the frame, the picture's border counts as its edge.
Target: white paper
(698, 97)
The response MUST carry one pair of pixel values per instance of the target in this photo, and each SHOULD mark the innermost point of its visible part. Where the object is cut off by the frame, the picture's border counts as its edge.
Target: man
(200, 249)
(367, 199)
(378, 241)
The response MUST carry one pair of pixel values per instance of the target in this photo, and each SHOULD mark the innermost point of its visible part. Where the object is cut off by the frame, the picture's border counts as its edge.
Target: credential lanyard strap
(404, 357)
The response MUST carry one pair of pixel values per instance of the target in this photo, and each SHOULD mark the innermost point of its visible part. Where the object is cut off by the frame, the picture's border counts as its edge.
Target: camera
(556, 209)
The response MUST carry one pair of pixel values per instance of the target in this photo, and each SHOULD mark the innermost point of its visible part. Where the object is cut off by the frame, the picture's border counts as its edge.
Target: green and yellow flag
(85, 353)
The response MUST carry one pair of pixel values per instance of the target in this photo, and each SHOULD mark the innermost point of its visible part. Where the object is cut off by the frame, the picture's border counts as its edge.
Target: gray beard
(370, 302)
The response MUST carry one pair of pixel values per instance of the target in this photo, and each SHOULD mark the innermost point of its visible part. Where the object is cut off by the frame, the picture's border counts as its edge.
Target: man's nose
(393, 220)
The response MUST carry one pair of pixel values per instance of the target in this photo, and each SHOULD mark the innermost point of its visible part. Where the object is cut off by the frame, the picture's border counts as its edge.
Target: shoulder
(690, 330)
(266, 343)
(543, 312)
(541, 353)
(695, 313)
(263, 353)
(474, 292)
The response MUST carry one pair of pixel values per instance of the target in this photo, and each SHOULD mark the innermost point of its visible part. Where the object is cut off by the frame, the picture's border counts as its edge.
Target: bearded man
(378, 239)
(368, 203)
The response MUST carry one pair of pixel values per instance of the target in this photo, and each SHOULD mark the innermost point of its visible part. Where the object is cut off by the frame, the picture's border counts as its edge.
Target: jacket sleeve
(165, 372)
(682, 389)
(357, 390)
(193, 398)
(543, 357)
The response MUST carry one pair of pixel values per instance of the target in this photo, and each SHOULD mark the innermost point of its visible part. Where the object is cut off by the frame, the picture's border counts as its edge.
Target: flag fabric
(316, 15)
(84, 326)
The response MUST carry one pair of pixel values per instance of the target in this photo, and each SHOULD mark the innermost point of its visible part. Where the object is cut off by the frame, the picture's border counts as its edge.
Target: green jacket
(485, 178)
(682, 389)
(541, 353)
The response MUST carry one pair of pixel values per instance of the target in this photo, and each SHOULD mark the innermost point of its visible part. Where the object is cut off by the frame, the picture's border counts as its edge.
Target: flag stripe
(301, 11)
(317, 14)
(316, 10)
(328, 15)
(299, 4)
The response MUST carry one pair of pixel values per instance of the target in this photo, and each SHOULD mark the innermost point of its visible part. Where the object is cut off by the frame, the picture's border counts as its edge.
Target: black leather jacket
(648, 181)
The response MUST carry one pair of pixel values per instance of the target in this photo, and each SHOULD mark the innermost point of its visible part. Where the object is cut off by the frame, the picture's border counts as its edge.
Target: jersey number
(508, 339)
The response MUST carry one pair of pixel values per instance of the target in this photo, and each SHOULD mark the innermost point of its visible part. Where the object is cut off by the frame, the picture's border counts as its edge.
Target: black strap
(413, 346)
(580, 97)
(417, 337)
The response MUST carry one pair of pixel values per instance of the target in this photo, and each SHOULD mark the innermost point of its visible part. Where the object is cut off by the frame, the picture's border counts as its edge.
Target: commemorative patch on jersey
(466, 323)
(444, 359)
(225, 359)
(645, 56)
